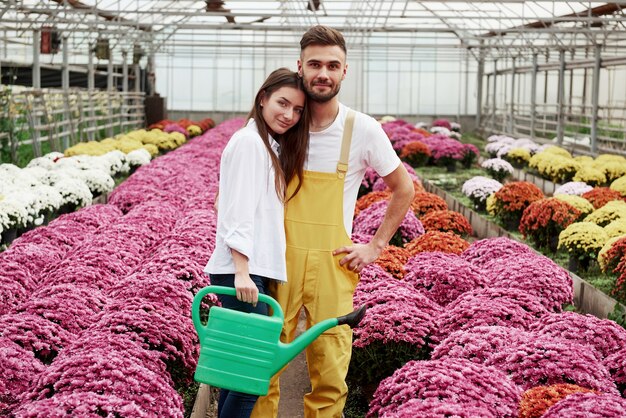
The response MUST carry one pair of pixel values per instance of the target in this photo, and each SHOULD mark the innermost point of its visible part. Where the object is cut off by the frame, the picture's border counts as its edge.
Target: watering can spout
(287, 352)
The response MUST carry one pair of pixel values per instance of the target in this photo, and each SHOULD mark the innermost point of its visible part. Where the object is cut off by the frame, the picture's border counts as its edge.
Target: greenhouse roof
(501, 28)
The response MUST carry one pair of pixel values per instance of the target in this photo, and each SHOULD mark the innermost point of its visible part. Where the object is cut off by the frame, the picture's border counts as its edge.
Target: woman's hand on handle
(246, 289)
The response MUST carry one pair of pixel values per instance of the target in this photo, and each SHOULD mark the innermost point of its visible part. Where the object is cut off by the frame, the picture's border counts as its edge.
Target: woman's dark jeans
(236, 404)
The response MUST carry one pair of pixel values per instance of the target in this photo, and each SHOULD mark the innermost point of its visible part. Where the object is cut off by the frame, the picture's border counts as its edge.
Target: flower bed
(136, 276)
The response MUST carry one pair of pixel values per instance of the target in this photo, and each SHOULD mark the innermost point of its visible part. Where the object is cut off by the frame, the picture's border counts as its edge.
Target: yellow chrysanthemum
(619, 185)
(194, 130)
(605, 158)
(491, 204)
(616, 228)
(612, 169)
(152, 149)
(615, 209)
(580, 203)
(584, 159)
(386, 119)
(520, 153)
(590, 175)
(602, 260)
(554, 150)
(583, 238)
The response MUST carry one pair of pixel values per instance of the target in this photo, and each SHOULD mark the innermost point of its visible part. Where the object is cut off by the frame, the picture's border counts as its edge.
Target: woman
(250, 240)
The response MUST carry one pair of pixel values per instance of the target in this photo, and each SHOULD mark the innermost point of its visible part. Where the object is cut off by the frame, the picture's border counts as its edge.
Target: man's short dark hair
(323, 35)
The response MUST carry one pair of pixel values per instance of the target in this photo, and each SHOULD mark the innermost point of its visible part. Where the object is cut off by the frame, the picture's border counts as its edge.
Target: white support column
(560, 101)
(151, 87)
(533, 96)
(595, 92)
(36, 63)
(466, 98)
(91, 77)
(125, 71)
(512, 106)
(65, 72)
(110, 84)
(493, 97)
(137, 78)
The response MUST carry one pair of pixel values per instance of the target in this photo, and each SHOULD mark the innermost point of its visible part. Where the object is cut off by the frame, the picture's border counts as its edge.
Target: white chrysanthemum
(500, 138)
(576, 188)
(493, 148)
(502, 148)
(101, 163)
(30, 201)
(40, 173)
(43, 162)
(455, 135)
(480, 187)
(138, 157)
(6, 183)
(12, 214)
(98, 181)
(440, 130)
(497, 164)
(66, 171)
(74, 192)
(455, 126)
(49, 197)
(8, 168)
(25, 180)
(67, 162)
(116, 159)
(52, 156)
(421, 125)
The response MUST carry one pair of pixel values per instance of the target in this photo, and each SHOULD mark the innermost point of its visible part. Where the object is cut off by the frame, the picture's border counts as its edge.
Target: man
(322, 262)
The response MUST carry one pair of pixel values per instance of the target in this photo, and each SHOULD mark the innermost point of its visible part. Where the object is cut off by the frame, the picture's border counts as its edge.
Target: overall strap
(342, 165)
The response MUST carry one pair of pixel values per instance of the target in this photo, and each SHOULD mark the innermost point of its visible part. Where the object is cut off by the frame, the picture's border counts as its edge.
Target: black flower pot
(553, 243)
(511, 224)
(576, 264)
(8, 236)
(66, 208)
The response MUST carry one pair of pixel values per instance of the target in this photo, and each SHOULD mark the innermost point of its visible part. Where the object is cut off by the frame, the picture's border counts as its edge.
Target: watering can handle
(230, 291)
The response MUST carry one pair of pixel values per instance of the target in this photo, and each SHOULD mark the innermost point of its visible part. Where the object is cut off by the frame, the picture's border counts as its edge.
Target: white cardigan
(250, 216)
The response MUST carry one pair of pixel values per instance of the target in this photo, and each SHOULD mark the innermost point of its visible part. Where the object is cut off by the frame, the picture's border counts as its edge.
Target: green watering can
(242, 351)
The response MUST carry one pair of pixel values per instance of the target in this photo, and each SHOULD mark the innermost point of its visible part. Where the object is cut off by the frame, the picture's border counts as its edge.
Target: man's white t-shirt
(370, 147)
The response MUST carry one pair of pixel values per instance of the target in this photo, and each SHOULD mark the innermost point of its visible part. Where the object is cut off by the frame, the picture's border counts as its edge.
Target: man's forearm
(396, 211)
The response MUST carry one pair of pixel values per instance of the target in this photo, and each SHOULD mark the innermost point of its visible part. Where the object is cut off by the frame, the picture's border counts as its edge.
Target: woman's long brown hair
(294, 143)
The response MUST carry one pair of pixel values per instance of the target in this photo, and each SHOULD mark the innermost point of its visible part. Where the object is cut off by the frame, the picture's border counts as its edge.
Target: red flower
(446, 221)
(425, 202)
(366, 200)
(415, 153)
(432, 241)
(600, 196)
(393, 259)
(536, 401)
(546, 218)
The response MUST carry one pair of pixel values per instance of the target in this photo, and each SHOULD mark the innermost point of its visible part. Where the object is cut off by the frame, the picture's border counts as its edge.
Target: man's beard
(321, 97)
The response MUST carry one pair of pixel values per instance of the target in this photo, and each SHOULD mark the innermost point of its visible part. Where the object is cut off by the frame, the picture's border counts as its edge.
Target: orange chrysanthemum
(393, 259)
(367, 199)
(431, 241)
(446, 221)
(536, 401)
(424, 202)
(600, 196)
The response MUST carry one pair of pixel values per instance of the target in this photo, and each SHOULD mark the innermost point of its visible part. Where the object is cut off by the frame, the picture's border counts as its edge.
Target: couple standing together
(288, 186)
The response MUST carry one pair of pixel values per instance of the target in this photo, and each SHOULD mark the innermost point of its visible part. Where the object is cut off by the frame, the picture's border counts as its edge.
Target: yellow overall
(314, 228)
